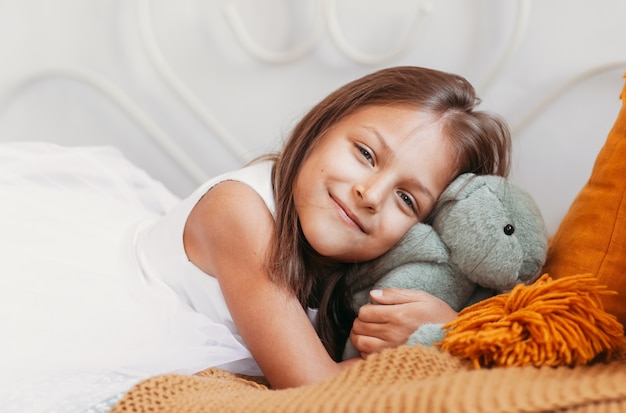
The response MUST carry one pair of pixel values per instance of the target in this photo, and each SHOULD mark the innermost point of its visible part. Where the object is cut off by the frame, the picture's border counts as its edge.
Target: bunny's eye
(509, 229)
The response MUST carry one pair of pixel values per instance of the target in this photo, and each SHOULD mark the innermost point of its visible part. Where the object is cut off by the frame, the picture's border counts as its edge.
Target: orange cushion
(592, 236)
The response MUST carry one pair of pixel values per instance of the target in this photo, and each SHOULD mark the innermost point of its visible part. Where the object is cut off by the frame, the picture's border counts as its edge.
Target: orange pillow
(592, 236)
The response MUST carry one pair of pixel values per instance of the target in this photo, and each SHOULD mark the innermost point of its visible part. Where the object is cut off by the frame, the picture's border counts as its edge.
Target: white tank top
(161, 254)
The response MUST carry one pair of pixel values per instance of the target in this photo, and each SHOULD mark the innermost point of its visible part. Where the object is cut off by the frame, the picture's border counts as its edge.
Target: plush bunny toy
(487, 235)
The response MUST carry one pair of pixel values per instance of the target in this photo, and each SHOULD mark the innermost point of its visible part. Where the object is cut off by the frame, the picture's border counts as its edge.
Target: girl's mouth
(347, 215)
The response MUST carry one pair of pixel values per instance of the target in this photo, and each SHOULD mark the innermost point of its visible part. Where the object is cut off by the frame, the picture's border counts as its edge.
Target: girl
(108, 279)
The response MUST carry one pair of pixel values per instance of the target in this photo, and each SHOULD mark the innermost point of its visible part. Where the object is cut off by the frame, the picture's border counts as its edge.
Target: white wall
(123, 71)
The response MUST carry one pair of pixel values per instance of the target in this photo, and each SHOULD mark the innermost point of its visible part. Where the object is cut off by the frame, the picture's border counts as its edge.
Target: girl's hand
(378, 327)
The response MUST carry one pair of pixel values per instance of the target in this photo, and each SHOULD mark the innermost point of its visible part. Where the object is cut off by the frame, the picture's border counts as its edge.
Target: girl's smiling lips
(347, 215)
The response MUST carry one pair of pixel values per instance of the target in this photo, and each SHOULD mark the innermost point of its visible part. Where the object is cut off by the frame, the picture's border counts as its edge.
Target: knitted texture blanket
(405, 379)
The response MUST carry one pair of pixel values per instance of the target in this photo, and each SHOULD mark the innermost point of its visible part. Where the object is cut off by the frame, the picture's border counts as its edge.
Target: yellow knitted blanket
(405, 379)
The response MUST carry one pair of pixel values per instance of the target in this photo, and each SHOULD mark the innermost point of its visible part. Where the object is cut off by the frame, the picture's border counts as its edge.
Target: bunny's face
(494, 231)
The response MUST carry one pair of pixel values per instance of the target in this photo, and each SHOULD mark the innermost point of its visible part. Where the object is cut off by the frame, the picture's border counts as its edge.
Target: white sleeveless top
(161, 255)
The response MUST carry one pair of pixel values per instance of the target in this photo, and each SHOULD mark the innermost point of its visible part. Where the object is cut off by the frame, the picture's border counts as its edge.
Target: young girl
(108, 279)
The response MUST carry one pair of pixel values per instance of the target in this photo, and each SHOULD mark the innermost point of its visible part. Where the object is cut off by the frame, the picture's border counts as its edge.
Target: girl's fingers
(368, 344)
(395, 332)
(392, 313)
(396, 296)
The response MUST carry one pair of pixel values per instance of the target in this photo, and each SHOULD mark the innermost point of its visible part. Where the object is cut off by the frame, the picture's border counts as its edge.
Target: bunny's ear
(461, 187)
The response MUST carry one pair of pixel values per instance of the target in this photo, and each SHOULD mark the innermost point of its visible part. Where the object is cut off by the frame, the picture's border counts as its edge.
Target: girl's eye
(408, 201)
(366, 154)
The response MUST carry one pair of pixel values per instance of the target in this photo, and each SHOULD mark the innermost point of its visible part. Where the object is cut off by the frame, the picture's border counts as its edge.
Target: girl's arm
(227, 235)
(378, 327)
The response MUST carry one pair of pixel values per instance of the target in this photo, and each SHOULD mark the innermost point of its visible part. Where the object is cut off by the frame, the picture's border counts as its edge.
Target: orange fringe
(551, 322)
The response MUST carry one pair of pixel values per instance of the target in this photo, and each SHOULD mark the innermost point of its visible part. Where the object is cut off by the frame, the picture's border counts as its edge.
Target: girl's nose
(371, 194)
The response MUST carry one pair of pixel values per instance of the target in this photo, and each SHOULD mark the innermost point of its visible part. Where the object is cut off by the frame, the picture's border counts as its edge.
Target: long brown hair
(480, 141)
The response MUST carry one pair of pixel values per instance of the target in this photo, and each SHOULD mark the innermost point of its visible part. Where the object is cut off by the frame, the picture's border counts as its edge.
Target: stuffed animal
(487, 235)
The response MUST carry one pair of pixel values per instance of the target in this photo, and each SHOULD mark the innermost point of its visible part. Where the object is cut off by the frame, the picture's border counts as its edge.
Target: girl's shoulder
(257, 176)
(229, 229)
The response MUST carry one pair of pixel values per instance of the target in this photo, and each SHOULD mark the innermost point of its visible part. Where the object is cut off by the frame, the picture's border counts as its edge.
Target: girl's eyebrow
(380, 138)
(421, 188)
(385, 146)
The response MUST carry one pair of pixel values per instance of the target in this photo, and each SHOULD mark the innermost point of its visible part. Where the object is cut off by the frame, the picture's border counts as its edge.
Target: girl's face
(375, 174)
